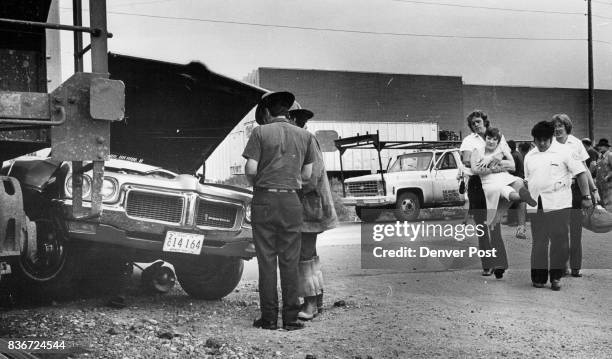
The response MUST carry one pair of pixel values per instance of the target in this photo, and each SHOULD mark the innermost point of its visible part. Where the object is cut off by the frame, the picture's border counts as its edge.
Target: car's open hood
(176, 115)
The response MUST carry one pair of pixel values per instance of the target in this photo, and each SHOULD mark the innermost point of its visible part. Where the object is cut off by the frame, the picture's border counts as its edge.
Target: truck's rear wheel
(367, 214)
(408, 207)
(209, 277)
(50, 269)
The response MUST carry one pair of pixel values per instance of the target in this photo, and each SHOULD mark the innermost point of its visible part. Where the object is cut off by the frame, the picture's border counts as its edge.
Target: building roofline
(358, 72)
(536, 87)
(423, 75)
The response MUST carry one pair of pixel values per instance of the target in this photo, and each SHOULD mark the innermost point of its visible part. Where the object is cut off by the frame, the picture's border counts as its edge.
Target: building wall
(359, 96)
(516, 109)
(370, 97)
(603, 115)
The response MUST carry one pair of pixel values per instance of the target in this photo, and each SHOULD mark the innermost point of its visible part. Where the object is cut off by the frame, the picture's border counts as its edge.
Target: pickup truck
(423, 177)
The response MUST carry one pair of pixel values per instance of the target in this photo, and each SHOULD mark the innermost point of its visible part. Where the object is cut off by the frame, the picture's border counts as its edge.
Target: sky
(536, 43)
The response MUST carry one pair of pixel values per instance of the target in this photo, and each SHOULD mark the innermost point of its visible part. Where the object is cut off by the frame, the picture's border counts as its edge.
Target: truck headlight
(109, 189)
(380, 189)
(86, 186)
(247, 213)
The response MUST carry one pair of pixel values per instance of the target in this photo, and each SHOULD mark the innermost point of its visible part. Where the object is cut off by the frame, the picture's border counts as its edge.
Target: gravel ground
(386, 314)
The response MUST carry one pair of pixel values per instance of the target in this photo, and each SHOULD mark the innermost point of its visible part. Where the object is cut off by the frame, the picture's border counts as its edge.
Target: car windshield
(412, 162)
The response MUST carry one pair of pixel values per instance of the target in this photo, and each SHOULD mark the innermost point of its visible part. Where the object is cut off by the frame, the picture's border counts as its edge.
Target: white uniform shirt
(549, 176)
(473, 141)
(576, 148)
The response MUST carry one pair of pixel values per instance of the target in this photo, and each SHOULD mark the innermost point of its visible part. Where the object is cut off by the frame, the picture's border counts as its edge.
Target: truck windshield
(412, 162)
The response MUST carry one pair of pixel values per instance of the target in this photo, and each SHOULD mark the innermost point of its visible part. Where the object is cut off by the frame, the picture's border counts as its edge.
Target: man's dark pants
(277, 218)
(549, 228)
(478, 208)
(575, 236)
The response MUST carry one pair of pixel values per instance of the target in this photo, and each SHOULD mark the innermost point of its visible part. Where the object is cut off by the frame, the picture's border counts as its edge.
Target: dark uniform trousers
(478, 208)
(277, 218)
(549, 229)
(575, 236)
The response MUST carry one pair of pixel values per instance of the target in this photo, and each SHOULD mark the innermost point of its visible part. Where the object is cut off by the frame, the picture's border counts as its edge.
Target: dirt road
(388, 314)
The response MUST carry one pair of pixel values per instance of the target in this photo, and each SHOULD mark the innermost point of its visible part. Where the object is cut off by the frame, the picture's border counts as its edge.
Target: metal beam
(93, 31)
(99, 46)
(77, 20)
(591, 102)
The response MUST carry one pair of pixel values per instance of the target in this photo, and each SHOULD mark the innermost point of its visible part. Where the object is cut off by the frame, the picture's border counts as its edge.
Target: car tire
(408, 207)
(209, 277)
(368, 214)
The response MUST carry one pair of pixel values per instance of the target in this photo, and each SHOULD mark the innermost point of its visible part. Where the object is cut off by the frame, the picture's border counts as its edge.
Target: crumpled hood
(176, 115)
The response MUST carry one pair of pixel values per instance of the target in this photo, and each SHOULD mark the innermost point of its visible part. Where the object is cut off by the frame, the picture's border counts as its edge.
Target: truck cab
(419, 178)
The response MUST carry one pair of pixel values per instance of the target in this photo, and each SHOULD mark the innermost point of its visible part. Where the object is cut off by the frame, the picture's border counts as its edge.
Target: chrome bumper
(117, 229)
(371, 201)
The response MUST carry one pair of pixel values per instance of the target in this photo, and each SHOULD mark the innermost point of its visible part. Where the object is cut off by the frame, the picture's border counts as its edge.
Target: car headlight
(86, 186)
(247, 213)
(109, 189)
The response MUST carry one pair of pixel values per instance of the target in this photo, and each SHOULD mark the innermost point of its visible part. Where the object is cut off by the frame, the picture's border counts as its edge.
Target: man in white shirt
(549, 169)
(478, 122)
(563, 129)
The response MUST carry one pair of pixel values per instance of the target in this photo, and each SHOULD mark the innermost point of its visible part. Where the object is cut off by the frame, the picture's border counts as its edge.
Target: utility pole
(591, 102)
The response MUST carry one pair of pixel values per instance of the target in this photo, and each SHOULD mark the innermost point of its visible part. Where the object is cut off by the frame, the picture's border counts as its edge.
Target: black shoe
(555, 285)
(499, 273)
(526, 197)
(576, 273)
(265, 324)
(486, 272)
(537, 285)
(293, 325)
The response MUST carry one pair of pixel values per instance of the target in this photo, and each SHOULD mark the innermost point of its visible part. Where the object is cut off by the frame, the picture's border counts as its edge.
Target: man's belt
(276, 190)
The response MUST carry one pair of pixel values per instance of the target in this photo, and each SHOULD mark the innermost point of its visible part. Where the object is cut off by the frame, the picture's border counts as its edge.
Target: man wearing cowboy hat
(279, 157)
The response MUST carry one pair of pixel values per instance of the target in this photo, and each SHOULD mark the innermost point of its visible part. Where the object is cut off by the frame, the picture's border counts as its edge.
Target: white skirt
(496, 185)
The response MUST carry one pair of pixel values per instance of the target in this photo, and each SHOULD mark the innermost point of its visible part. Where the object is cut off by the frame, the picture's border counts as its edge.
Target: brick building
(364, 96)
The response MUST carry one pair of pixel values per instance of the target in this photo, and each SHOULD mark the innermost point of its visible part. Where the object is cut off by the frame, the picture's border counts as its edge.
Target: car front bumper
(114, 228)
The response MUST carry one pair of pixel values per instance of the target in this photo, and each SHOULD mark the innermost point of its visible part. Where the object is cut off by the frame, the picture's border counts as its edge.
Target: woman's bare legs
(521, 193)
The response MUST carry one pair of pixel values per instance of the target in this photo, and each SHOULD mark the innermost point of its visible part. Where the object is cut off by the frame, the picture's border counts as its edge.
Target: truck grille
(362, 189)
(216, 214)
(154, 206)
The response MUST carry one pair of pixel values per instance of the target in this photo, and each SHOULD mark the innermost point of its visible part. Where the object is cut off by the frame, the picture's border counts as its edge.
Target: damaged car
(153, 206)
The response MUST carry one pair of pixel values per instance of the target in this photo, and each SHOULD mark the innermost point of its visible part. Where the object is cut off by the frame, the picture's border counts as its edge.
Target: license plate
(180, 242)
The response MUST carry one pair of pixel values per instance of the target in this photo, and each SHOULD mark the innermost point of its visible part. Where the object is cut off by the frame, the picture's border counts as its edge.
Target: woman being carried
(492, 163)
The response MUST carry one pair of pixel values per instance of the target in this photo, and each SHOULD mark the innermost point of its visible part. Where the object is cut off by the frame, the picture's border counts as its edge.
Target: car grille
(214, 214)
(155, 206)
(361, 189)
